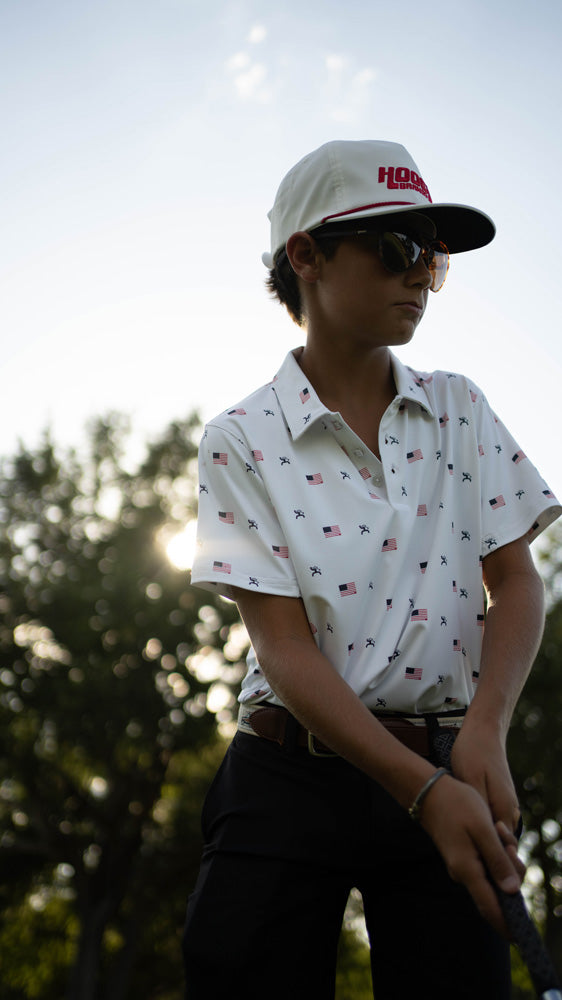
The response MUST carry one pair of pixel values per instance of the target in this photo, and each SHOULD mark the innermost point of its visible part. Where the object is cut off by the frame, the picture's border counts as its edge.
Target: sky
(143, 142)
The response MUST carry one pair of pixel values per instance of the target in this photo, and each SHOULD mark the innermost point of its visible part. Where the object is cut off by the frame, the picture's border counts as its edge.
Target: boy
(358, 512)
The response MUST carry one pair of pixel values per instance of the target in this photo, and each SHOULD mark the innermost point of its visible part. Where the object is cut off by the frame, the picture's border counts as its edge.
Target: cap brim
(460, 227)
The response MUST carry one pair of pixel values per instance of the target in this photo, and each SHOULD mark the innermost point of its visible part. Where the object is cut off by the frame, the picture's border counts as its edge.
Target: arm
(454, 814)
(513, 631)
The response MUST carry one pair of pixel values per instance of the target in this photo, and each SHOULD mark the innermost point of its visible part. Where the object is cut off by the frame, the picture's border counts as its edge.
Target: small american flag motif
(314, 480)
(281, 550)
(413, 673)
(226, 516)
(331, 531)
(389, 545)
(222, 567)
(220, 458)
(414, 456)
(304, 395)
(419, 615)
(258, 456)
(346, 589)
(497, 502)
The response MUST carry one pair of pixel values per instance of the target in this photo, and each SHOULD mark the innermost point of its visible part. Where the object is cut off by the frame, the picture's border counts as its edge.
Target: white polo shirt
(386, 555)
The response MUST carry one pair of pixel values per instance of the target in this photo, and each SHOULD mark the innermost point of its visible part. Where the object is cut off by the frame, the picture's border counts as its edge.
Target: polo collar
(302, 407)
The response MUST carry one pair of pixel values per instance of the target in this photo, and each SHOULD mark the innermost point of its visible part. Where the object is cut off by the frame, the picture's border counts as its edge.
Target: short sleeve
(515, 499)
(240, 542)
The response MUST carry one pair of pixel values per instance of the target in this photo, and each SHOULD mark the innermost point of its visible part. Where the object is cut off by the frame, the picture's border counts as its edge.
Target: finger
(505, 833)
(510, 843)
(498, 863)
(486, 900)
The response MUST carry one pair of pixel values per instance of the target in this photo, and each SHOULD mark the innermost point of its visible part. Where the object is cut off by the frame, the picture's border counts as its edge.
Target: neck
(348, 381)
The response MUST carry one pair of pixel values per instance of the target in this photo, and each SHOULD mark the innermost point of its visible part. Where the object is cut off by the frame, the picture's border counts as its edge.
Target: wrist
(415, 808)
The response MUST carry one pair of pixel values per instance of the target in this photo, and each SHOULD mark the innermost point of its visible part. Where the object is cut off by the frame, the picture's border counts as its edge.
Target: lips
(410, 305)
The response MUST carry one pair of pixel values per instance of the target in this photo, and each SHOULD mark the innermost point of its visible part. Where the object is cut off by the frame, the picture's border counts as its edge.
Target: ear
(302, 251)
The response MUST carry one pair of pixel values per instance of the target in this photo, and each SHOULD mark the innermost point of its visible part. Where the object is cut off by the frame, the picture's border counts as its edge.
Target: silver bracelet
(415, 808)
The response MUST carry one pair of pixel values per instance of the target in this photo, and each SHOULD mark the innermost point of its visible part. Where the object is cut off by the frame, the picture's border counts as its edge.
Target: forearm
(512, 635)
(310, 687)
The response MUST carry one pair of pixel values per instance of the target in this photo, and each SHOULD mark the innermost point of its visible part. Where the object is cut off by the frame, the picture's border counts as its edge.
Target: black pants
(287, 836)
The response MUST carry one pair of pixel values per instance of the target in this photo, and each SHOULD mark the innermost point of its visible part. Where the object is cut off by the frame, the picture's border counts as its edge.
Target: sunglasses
(398, 252)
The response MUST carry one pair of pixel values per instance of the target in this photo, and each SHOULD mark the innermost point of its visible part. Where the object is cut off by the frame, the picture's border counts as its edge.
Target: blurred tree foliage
(535, 753)
(109, 662)
(113, 675)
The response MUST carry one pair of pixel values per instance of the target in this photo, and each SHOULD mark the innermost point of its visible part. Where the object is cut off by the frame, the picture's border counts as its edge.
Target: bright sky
(143, 142)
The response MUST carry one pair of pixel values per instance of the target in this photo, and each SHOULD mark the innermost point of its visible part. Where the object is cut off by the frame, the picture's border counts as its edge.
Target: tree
(535, 752)
(109, 661)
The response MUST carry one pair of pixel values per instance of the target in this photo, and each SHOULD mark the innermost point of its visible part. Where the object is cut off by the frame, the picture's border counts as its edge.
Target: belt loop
(291, 734)
(432, 723)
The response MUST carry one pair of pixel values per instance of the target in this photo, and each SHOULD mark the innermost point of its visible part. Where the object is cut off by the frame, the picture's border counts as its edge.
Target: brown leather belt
(272, 722)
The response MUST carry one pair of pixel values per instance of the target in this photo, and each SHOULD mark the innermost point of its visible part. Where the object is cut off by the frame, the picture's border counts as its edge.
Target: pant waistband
(274, 723)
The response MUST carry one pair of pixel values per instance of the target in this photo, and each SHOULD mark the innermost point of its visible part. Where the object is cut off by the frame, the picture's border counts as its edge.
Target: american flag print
(480, 619)
(497, 502)
(475, 676)
(413, 673)
(304, 396)
(389, 545)
(428, 520)
(331, 531)
(222, 567)
(549, 494)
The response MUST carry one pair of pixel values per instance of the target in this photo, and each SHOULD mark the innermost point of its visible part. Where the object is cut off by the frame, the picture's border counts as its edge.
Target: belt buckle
(317, 753)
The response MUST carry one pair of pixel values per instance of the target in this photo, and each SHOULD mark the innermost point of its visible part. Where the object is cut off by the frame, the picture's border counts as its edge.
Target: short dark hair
(283, 284)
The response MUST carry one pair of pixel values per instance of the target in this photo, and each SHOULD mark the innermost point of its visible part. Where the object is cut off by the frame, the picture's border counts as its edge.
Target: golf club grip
(528, 940)
(520, 926)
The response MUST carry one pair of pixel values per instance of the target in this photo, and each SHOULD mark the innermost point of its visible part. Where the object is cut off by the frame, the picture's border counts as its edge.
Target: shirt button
(359, 452)
(377, 480)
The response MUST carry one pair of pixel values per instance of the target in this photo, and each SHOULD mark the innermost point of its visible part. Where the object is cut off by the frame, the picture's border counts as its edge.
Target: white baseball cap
(345, 180)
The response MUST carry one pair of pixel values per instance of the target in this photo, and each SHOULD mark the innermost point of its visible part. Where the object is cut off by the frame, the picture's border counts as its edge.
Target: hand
(480, 760)
(476, 851)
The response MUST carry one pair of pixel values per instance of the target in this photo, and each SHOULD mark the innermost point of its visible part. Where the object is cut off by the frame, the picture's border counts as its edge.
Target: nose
(419, 274)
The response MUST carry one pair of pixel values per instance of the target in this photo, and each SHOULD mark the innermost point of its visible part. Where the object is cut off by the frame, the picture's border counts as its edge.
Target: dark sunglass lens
(398, 252)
